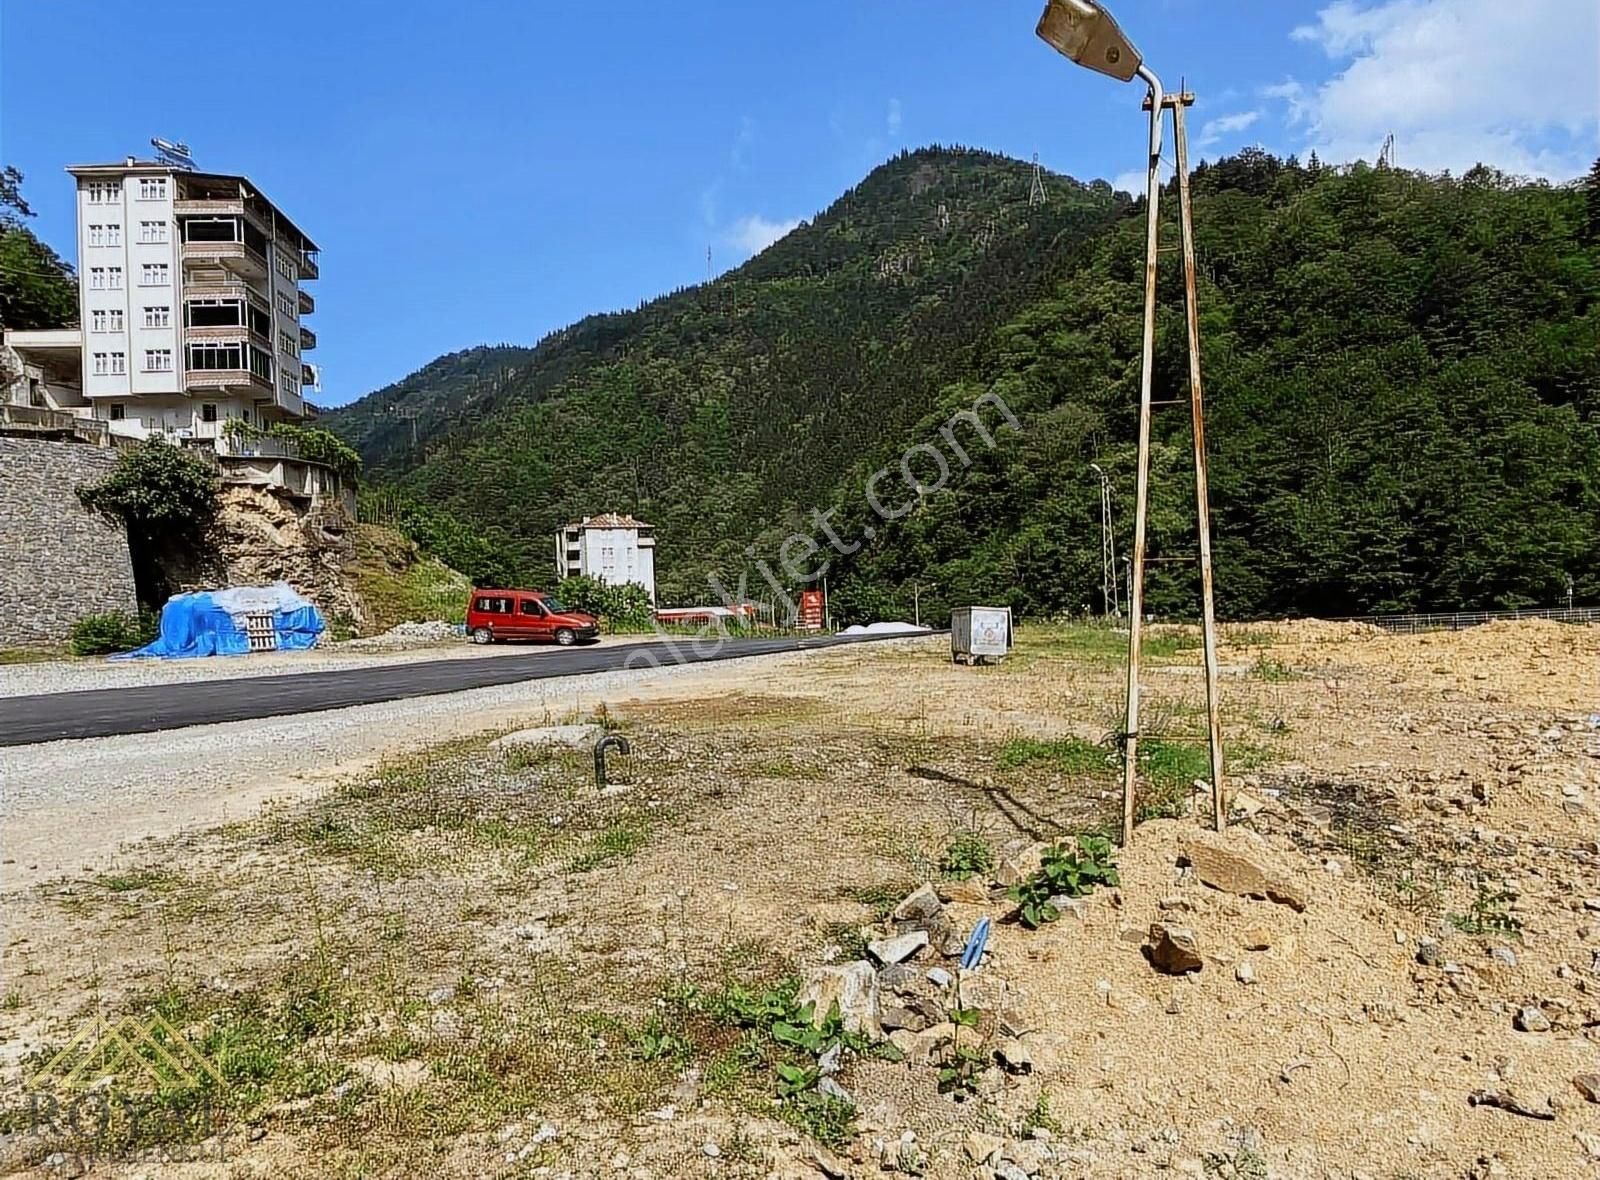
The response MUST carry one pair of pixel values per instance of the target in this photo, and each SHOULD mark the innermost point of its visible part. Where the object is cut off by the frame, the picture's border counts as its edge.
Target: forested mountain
(1402, 372)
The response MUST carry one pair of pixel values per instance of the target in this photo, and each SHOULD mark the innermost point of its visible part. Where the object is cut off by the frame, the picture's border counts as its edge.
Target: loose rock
(854, 988)
(1016, 869)
(1531, 1019)
(1221, 861)
(898, 949)
(1173, 949)
(1588, 1085)
(919, 906)
(981, 1148)
(1508, 1101)
(1013, 1057)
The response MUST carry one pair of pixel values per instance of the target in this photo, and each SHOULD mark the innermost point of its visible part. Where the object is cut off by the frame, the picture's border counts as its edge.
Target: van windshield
(553, 604)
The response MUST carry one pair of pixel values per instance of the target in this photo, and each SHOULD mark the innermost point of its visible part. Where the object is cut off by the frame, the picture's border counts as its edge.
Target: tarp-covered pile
(215, 623)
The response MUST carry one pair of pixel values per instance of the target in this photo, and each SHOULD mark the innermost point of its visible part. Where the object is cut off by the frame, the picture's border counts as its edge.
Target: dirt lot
(472, 963)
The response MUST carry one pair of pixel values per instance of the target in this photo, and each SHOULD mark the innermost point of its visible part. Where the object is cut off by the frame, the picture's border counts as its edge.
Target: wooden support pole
(1130, 753)
(1202, 493)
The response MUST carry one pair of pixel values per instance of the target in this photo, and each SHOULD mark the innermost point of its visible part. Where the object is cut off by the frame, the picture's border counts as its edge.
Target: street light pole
(1108, 554)
(1085, 32)
(1141, 503)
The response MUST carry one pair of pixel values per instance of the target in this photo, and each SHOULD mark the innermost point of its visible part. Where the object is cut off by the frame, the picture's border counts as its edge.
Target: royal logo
(147, 1052)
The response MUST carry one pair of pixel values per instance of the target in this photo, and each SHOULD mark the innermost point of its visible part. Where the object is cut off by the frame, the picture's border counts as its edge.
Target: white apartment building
(613, 549)
(191, 306)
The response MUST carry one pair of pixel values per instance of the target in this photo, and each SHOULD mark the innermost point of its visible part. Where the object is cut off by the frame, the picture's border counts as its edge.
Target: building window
(105, 278)
(287, 383)
(154, 274)
(118, 411)
(158, 360)
(119, 363)
(285, 264)
(158, 317)
(261, 364)
(113, 235)
(152, 188)
(286, 306)
(152, 232)
(226, 355)
(286, 344)
(110, 364)
(97, 235)
(104, 192)
(208, 411)
(97, 321)
(102, 362)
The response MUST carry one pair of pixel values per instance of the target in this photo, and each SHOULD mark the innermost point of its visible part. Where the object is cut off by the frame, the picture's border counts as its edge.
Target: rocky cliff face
(260, 537)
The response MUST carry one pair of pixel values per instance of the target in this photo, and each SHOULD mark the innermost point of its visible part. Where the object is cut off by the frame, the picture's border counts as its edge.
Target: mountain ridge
(1332, 300)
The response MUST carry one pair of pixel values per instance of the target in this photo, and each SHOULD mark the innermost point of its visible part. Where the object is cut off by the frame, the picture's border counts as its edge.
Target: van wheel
(483, 635)
(566, 637)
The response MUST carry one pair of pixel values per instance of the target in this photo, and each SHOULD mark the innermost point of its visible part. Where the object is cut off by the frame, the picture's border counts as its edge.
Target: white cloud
(1138, 182)
(755, 233)
(1214, 129)
(894, 117)
(1504, 82)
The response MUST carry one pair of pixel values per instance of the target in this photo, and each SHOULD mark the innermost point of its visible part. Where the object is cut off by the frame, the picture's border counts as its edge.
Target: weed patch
(1067, 755)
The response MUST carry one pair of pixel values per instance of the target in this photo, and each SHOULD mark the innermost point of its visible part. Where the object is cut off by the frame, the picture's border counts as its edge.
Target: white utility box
(979, 633)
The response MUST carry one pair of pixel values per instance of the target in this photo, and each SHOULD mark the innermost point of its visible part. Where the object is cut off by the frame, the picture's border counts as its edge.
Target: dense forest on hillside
(1402, 372)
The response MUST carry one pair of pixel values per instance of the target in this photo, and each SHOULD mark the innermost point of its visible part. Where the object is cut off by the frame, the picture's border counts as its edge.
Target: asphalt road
(106, 712)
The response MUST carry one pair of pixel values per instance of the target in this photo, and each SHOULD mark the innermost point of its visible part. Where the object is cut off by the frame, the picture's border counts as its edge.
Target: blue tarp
(212, 623)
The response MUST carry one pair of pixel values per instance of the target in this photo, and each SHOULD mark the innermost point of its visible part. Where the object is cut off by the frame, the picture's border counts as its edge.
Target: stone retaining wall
(58, 561)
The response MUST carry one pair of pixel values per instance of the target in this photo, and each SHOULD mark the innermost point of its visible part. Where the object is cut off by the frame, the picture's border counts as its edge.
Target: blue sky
(489, 171)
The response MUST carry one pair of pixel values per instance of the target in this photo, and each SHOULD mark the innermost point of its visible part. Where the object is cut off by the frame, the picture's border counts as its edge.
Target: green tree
(167, 499)
(37, 288)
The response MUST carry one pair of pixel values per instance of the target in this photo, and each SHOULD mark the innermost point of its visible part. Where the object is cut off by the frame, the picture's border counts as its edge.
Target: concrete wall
(58, 560)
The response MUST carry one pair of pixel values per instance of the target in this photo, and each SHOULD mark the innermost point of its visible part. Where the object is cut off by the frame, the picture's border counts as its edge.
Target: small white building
(610, 548)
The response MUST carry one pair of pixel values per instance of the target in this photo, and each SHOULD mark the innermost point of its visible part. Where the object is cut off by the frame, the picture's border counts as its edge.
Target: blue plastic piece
(211, 623)
(973, 955)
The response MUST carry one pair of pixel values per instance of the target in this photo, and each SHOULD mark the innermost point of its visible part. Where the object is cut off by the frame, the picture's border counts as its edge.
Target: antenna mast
(1036, 194)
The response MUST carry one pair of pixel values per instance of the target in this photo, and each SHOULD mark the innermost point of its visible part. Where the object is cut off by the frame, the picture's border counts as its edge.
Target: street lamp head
(1085, 32)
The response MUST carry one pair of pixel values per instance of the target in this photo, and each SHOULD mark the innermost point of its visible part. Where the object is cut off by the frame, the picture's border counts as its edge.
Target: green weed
(1065, 873)
(968, 855)
(1067, 755)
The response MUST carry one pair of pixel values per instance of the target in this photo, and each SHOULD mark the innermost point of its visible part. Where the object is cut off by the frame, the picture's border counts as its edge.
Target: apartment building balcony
(308, 338)
(227, 381)
(224, 207)
(196, 333)
(210, 207)
(234, 243)
(233, 256)
(307, 303)
(308, 265)
(308, 375)
(199, 288)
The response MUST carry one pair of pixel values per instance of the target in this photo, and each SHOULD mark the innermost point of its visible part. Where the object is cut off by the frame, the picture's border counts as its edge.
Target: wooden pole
(1130, 753)
(1219, 799)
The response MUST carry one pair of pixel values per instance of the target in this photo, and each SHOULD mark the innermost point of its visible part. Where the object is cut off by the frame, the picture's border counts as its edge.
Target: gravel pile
(408, 635)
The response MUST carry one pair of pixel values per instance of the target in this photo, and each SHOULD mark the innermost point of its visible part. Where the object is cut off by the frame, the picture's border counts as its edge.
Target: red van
(526, 614)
